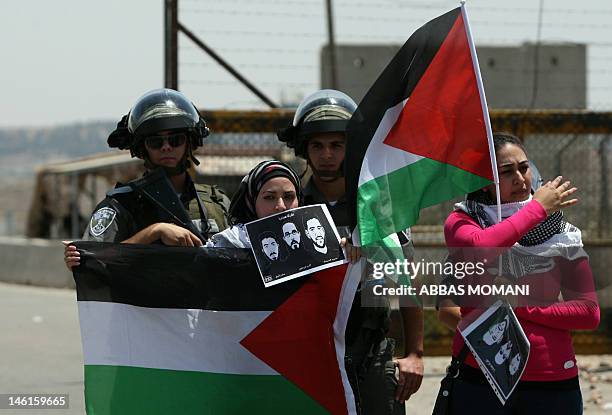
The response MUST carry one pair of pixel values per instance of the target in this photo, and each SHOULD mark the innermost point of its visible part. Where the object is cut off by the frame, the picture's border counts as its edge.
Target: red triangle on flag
(297, 339)
(443, 118)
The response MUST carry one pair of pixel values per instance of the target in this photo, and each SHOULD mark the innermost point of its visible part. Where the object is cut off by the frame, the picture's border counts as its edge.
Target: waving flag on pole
(194, 331)
(421, 135)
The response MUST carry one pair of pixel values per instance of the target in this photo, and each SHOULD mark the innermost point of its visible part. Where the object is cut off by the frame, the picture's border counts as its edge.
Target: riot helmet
(324, 111)
(157, 111)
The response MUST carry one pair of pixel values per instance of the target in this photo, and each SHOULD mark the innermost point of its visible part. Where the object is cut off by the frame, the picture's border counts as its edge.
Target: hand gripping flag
(421, 134)
(193, 330)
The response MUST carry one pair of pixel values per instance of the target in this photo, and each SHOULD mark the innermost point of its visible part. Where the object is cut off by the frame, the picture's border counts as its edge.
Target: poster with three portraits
(499, 345)
(295, 243)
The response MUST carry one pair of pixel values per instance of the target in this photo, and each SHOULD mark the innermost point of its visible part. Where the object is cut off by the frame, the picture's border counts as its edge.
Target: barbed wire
(385, 19)
(321, 35)
(253, 50)
(398, 5)
(255, 65)
(566, 70)
(237, 84)
(234, 37)
(227, 32)
(243, 12)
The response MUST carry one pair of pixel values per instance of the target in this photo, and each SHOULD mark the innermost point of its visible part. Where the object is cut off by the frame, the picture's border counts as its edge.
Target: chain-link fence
(277, 45)
(576, 145)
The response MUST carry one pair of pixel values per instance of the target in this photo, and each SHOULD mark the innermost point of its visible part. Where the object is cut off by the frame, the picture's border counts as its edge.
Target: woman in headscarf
(270, 187)
(547, 255)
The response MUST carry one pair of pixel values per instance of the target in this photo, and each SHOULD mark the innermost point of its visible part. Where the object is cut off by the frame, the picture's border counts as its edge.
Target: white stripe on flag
(349, 288)
(485, 110)
(381, 159)
(175, 339)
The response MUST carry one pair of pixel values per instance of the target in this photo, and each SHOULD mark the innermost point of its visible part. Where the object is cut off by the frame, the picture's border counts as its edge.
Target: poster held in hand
(501, 348)
(295, 243)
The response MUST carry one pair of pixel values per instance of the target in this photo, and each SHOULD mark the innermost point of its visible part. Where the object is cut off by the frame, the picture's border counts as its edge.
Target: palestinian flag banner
(169, 330)
(421, 135)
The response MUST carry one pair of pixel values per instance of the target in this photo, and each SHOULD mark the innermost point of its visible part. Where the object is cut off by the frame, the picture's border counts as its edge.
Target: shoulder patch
(101, 220)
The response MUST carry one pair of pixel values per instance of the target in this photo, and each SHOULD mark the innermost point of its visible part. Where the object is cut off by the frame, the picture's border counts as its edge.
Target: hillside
(23, 149)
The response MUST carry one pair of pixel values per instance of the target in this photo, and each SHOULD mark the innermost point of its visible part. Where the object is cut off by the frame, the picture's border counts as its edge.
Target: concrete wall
(507, 72)
(33, 262)
(41, 262)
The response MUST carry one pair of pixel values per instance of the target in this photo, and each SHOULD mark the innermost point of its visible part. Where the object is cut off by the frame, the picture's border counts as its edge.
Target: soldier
(318, 134)
(163, 128)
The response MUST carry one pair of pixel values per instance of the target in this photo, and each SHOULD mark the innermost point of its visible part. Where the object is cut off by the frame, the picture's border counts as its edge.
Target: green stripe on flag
(392, 202)
(129, 390)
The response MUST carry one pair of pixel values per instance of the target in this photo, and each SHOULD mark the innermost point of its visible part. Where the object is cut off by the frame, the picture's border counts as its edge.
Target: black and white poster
(498, 342)
(294, 243)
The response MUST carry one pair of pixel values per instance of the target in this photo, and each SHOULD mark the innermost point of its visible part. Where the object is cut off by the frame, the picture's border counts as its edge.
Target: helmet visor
(326, 104)
(162, 109)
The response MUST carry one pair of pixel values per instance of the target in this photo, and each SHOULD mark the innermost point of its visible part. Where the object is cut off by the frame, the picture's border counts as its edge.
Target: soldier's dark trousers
(376, 382)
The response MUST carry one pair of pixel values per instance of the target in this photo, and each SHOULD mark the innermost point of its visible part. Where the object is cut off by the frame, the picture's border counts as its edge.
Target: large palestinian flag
(194, 331)
(421, 134)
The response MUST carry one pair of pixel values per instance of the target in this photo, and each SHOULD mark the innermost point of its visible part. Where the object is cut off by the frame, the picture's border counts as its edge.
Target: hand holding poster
(499, 345)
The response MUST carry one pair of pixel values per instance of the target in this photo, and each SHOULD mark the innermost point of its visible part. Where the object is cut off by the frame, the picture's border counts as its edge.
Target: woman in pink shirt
(556, 267)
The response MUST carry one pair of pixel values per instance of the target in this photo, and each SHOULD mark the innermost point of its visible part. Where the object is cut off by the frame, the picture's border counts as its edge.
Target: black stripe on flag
(157, 276)
(394, 85)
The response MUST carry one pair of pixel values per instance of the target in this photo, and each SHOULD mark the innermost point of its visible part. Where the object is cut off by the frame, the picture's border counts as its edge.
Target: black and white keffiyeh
(536, 250)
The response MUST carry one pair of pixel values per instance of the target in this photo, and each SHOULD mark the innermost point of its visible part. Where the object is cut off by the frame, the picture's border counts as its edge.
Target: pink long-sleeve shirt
(547, 327)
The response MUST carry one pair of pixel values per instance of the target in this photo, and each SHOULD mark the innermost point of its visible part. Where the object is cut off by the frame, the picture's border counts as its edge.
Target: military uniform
(369, 354)
(124, 212)
(339, 210)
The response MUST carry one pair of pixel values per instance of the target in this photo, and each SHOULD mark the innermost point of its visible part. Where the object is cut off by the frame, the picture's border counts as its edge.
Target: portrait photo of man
(269, 246)
(321, 242)
(291, 236)
(315, 231)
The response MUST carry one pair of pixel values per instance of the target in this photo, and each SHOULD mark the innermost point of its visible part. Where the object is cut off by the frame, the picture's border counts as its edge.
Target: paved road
(40, 352)
(40, 345)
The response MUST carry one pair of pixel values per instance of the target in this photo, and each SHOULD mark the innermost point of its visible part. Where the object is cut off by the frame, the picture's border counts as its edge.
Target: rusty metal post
(171, 44)
(227, 66)
(332, 45)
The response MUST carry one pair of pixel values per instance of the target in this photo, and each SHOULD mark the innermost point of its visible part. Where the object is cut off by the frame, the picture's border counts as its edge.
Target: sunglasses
(155, 142)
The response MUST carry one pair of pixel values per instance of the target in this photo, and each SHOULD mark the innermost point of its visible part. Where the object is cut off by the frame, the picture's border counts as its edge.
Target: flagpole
(485, 109)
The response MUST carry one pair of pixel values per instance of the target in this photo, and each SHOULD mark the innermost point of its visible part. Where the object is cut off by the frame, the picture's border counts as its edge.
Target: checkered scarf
(534, 252)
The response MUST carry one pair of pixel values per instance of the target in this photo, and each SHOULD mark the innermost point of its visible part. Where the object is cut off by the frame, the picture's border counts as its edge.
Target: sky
(71, 61)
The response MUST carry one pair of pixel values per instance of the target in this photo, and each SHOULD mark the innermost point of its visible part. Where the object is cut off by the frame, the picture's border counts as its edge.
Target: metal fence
(574, 144)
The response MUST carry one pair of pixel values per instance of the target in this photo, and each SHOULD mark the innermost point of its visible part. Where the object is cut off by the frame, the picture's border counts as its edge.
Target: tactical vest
(216, 205)
(213, 199)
